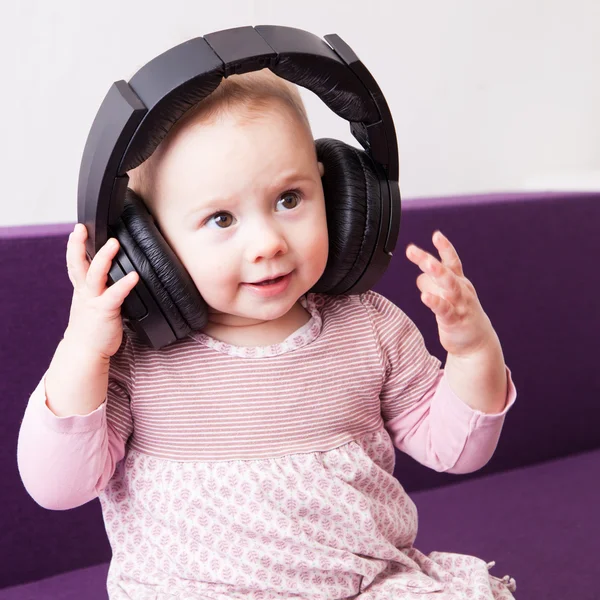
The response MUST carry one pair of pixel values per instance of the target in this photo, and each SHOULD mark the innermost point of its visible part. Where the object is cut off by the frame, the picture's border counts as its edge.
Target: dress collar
(299, 338)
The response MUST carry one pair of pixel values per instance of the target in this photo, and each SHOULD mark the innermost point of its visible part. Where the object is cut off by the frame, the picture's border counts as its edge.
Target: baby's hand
(95, 324)
(464, 327)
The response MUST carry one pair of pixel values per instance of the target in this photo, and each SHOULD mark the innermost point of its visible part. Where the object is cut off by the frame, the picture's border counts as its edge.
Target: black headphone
(361, 190)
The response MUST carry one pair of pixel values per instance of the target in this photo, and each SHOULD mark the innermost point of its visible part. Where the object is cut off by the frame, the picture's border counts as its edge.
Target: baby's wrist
(78, 348)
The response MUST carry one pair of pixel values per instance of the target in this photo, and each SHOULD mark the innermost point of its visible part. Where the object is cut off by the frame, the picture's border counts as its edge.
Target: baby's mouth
(270, 281)
(272, 285)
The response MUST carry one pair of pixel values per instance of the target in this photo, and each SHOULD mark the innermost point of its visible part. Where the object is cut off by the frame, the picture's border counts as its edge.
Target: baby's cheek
(220, 282)
(202, 274)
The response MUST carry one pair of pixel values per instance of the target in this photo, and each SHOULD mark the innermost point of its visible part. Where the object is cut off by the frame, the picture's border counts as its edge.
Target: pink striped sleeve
(423, 416)
(65, 462)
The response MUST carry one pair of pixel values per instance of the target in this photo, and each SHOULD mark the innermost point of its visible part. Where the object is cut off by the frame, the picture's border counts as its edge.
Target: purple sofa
(533, 508)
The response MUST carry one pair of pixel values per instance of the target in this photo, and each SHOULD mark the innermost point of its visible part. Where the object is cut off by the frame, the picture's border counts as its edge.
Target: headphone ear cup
(159, 268)
(353, 206)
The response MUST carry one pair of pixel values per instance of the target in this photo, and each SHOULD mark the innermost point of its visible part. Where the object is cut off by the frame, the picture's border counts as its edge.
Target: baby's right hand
(95, 323)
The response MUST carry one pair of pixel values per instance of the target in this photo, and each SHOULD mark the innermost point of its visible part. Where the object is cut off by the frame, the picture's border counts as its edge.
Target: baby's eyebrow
(294, 177)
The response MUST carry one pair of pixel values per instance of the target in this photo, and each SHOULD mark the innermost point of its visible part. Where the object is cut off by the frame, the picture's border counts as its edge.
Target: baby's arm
(470, 402)
(475, 364)
(444, 433)
(66, 460)
(424, 418)
(66, 450)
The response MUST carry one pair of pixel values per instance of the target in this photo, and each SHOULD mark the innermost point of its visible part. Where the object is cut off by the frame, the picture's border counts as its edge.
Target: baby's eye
(290, 199)
(223, 220)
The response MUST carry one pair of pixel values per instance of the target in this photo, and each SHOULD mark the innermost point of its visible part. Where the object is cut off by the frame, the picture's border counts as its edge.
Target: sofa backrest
(530, 257)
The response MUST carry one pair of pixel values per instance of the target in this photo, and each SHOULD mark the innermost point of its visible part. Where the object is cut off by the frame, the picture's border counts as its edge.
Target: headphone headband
(132, 119)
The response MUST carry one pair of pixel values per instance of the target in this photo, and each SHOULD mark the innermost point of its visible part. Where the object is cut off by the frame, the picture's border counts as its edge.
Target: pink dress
(267, 472)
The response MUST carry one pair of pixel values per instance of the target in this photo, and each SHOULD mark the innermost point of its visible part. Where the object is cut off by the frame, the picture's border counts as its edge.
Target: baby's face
(240, 201)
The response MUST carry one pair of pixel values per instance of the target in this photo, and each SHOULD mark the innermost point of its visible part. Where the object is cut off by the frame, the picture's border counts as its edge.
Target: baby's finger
(100, 266)
(115, 294)
(439, 272)
(448, 253)
(426, 284)
(443, 309)
(77, 262)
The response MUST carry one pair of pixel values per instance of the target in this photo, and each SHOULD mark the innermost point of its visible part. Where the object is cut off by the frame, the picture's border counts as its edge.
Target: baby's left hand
(464, 327)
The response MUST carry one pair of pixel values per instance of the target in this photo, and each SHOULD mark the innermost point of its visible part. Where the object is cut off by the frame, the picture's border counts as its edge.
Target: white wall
(487, 95)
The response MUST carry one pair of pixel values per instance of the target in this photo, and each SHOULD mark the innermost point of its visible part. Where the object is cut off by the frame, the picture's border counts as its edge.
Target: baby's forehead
(260, 112)
(236, 149)
(237, 126)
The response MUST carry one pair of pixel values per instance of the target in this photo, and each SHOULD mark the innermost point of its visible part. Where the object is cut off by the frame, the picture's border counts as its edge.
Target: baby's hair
(248, 93)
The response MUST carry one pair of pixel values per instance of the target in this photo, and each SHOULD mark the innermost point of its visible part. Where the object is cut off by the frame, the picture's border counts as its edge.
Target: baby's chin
(231, 318)
(244, 319)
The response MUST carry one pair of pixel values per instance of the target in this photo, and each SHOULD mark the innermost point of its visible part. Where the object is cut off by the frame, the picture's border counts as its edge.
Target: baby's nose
(267, 242)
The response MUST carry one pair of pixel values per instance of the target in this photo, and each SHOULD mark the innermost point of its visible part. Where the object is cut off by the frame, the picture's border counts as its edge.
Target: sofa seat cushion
(540, 524)
(81, 584)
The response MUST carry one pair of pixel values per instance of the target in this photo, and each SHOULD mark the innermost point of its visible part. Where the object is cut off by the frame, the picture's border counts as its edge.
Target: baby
(254, 459)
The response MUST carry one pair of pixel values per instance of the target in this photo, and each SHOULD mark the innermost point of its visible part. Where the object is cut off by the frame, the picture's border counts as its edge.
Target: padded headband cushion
(331, 85)
(352, 202)
(157, 123)
(159, 267)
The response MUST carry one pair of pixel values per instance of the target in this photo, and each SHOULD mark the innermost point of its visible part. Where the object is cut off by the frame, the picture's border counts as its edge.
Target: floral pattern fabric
(315, 526)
